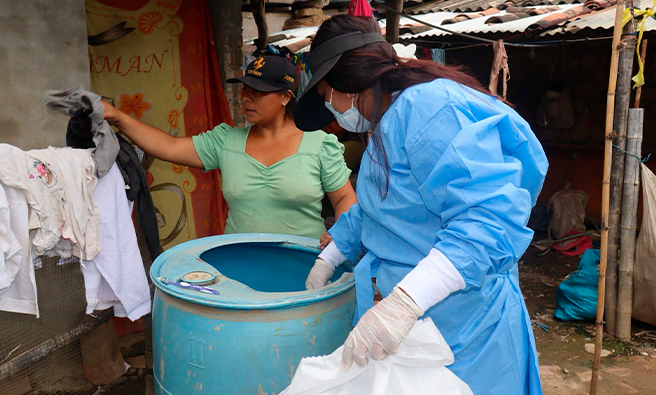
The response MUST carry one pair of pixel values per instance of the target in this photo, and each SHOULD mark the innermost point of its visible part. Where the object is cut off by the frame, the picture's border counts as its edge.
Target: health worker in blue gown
(445, 190)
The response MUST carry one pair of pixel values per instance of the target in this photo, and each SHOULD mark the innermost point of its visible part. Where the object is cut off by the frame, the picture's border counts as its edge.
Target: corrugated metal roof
(486, 23)
(296, 40)
(480, 5)
(570, 18)
(604, 19)
(435, 18)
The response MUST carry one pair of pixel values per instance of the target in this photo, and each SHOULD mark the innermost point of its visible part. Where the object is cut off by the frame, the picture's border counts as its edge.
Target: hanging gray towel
(87, 114)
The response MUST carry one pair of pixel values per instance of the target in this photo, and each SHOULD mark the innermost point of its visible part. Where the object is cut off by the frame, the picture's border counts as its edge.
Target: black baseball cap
(269, 74)
(311, 112)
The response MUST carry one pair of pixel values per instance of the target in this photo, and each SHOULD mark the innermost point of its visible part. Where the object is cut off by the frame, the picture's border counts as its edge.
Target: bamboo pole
(629, 227)
(620, 121)
(605, 194)
(643, 56)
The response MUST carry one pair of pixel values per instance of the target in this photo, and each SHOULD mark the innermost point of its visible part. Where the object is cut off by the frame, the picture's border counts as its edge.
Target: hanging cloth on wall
(168, 78)
(499, 65)
(438, 55)
(303, 70)
(360, 8)
(639, 78)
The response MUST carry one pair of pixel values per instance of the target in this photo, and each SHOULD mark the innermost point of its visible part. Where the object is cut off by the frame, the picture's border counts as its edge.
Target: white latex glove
(381, 329)
(321, 272)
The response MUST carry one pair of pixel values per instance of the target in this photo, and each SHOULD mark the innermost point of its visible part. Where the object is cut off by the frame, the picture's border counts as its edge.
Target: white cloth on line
(10, 248)
(58, 184)
(18, 292)
(74, 171)
(116, 277)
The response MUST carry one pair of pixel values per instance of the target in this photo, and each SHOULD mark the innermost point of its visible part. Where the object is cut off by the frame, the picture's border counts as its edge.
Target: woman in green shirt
(274, 175)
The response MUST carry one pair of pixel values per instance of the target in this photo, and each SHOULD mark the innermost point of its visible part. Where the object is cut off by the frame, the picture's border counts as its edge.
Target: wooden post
(605, 194)
(620, 121)
(643, 56)
(226, 19)
(259, 16)
(629, 214)
(392, 20)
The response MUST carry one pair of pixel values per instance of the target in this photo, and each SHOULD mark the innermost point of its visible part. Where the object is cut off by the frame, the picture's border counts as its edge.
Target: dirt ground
(565, 366)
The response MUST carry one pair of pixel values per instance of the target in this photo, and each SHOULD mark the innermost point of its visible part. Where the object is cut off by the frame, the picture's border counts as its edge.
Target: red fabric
(426, 52)
(123, 326)
(360, 8)
(208, 104)
(573, 247)
(199, 97)
(128, 5)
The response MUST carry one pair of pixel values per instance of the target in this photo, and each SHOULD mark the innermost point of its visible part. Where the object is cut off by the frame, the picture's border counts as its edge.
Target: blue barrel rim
(343, 284)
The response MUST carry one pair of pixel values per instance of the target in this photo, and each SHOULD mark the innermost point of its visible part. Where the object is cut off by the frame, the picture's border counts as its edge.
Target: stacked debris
(306, 14)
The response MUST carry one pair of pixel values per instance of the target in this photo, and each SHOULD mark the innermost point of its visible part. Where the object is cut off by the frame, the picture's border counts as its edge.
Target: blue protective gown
(465, 171)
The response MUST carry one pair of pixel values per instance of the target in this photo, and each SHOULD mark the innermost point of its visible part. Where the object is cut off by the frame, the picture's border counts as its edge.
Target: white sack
(644, 268)
(417, 369)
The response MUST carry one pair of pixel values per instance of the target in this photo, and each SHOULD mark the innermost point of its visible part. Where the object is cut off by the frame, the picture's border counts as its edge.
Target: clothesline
(461, 45)
(642, 160)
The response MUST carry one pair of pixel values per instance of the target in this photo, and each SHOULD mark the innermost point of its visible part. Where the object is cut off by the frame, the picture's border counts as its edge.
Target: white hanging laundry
(419, 368)
(116, 277)
(58, 184)
(10, 248)
(74, 177)
(18, 293)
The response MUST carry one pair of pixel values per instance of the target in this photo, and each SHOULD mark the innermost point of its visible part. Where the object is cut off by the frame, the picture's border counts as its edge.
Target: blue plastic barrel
(231, 314)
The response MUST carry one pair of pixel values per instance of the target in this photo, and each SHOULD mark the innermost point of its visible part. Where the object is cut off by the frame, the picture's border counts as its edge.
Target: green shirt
(282, 198)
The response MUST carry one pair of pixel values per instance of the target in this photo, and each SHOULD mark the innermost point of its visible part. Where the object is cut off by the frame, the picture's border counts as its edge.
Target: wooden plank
(22, 361)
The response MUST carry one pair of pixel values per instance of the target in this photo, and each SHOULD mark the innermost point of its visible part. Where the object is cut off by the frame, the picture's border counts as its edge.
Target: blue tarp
(576, 296)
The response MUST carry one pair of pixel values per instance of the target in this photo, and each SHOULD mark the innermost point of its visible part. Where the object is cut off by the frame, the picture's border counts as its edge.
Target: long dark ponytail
(376, 66)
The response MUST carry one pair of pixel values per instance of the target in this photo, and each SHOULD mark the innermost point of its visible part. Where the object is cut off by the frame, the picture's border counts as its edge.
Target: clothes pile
(72, 202)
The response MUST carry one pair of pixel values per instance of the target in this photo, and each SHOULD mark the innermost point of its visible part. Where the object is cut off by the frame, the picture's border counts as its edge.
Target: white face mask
(351, 119)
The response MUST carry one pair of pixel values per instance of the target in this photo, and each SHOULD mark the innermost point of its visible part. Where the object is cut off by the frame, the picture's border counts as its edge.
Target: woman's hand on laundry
(155, 142)
(111, 113)
(381, 329)
(326, 238)
(321, 272)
